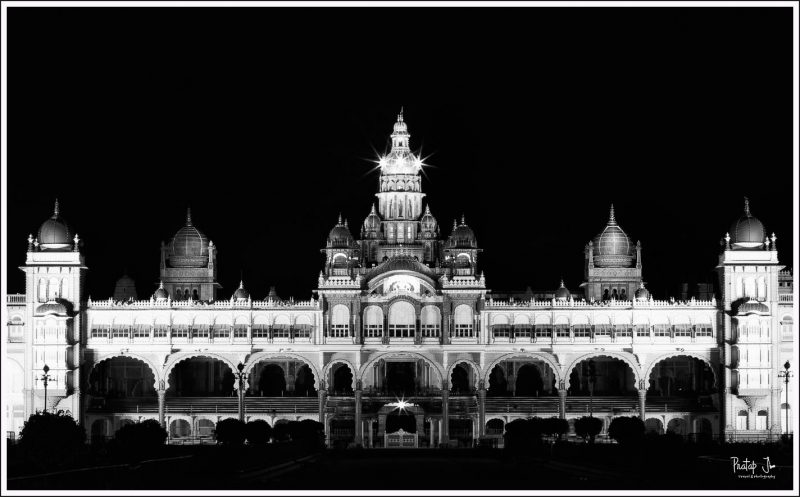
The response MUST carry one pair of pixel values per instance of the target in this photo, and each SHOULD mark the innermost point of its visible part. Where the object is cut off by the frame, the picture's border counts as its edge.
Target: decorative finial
(774, 247)
(340, 219)
(30, 242)
(427, 209)
(372, 211)
(562, 283)
(455, 224)
(36, 242)
(188, 216)
(161, 285)
(55, 210)
(76, 240)
(241, 284)
(400, 115)
(345, 224)
(641, 284)
(611, 219)
(747, 207)
(462, 219)
(728, 241)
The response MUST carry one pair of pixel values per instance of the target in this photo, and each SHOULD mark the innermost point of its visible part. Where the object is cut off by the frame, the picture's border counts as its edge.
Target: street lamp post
(786, 374)
(240, 376)
(591, 374)
(45, 379)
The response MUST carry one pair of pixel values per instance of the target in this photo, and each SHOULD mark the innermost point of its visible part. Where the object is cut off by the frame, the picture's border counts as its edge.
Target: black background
(266, 122)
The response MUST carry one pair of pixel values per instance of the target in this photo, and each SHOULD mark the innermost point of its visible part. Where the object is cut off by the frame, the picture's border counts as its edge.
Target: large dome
(54, 234)
(747, 232)
(241, 293)
(612, 247)
(189, 246)
(125, 288)
(462, 236)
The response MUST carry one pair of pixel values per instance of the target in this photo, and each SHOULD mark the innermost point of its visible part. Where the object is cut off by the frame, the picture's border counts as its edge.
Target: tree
(50, 438)
(308, 432)
(626, 429)
(141, 439)
(523, 434)
(230, 431)
(556, 426)
(588, 427)
(258, 432)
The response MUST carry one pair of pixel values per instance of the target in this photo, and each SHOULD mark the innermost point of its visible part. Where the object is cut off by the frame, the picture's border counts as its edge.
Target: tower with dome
(402, 314)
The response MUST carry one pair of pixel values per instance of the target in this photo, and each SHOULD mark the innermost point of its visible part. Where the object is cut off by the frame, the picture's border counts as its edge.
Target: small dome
(340, 235)
(612, 247)
(273, 294)
(51, 307)
(428, 222)
(161, 294)
(189, 246)
(752, 307)
(241, 293)
(562, 293)
(125, 288)
(373, 222)
(642, 293)
(747, 232)
(54, 234)
(462, 236)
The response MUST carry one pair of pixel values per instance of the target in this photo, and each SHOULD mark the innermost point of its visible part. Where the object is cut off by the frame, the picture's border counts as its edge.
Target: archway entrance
(201, 377)
(282, 378)
(405, 421)
(121, 377)
(460, 380)
(524, 377)
(529, 381)
(342, 383)
(461, 431)
(680, 376)
(602, 376)
(400, 378)
(271, 381)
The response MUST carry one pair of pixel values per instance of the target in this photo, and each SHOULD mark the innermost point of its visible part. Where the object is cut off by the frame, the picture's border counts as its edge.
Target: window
(661, 330)
(683, 330)
(141, 331)
(542, 331)
(240, 331)
(100, 332)
(501, 331)
(340, 322)
(280, 331)
(642, 330)
(302, 331)
(160, 331)
(200, 331)
(463, 322)
(704, 330)
(523, 331)
(222, 331)
(602, 330)
(430, 330)
(339, 330)
(373, 330)
(562, 331)
(582, 331)
(623, 331)
(120, 332)
(462, 331)
(180, 331)
(260, 331)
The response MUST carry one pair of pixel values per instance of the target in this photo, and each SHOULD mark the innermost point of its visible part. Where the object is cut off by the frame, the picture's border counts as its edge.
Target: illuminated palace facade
(402, 343)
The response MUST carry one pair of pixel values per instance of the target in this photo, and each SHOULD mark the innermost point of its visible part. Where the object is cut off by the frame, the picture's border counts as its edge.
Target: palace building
(403, 343)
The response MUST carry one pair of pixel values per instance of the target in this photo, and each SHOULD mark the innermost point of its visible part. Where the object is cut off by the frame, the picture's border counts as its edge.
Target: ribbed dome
(54, 234)
(189, 246)
(241, 293)
(161, 294)
(373, 222)
(51, 307)
(752, 307)
(125, 288)
(340, 235)
(562, 293)
(612, 247)
(428, 222)
(747, 232)
(462, 236)
(642, 293)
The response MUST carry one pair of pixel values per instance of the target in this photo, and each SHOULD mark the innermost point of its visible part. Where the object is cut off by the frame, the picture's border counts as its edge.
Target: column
(445, 435)
(321, 395)
(481, 408)
(240, 393)
(562, 403)
(161, 397)
(369, 425)
(642, 401)
(431, 439)
(441, 440)
(358, 437)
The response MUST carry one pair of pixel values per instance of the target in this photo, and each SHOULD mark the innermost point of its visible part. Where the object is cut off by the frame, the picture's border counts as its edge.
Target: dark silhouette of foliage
(627, 430)
(258, 432)
(230, 431)
(307, 432)
(588, 427)
(50, 438)
(137, 440)
(524, 434)
(556, 426)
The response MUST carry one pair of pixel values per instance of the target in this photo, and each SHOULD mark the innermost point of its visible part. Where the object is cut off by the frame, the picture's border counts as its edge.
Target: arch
(180, 358)
(430, 314)
(153, 369)
(403, 313)
(326, 371)
(522, 320)
(677, 425)
(546, 358)
(462, 314)
(695, 355)
(340, 315)
(654, 425)
(261, 319)
(373, 316)
(498, 319)
(475, 369)
(256, 358)
(495, 426)
(543, 319)
(302, 320)
(99, 429)
(435, 367)
(180, 428)
(637, 378)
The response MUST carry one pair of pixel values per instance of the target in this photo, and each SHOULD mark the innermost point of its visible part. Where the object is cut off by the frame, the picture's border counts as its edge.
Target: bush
(524, 434)
(140, 439)
(230, 431)
(258, 432)
(556, 426)
(588, 427)
(307, 432)
(626, 430)
(50, 438)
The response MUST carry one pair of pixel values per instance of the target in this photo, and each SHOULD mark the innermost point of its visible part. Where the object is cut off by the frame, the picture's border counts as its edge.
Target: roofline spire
(55, 209)
(611, 218)
(400, 115)
(188, 216)
(746, 207)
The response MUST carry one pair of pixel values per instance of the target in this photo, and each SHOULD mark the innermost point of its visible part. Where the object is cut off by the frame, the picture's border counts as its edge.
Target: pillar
(161, 398)
(642, 401)
(358, 436)
(481, 408)
(562, 403)
(441, 439)
(321, 395)
(445, 435)
(240, 394)
(369, 425)
(431, 439)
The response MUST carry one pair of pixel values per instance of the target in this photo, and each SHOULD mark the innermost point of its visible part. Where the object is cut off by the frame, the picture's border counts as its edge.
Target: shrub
(556, 426)
(523, 434)
(307, 432)
(140, 439)
(230, 431)
(258, 432)
(588, 427)
(280, 432)
(626, 429)
(50, 438)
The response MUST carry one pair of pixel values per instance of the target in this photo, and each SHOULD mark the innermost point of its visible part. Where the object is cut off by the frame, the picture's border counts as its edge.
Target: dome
(752, 307)
(52, 307)
(562, 293)
(373, 221)
(161, 294)
(54, 234)
(428, 222)
(612, 247)
(747, 232)
(125, 288)
(241, 293)
(642, 293)
(189, 246)
(462, 236)
(340, 235)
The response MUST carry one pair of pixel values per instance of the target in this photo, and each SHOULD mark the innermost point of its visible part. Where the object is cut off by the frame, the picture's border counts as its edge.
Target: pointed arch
(434, 366)
(172, 362)
(542, 356)
(637, 377)
(702, 357)
(476, 369)
(326, 370)
(262, 356)
(153, 369)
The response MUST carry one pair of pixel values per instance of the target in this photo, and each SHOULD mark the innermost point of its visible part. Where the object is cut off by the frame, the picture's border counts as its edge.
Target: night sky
(266, 123)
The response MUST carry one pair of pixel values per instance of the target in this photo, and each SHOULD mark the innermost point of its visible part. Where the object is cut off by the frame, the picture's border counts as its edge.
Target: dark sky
(265, 122)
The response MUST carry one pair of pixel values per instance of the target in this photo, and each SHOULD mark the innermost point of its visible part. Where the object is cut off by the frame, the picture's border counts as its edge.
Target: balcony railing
(16, 298)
